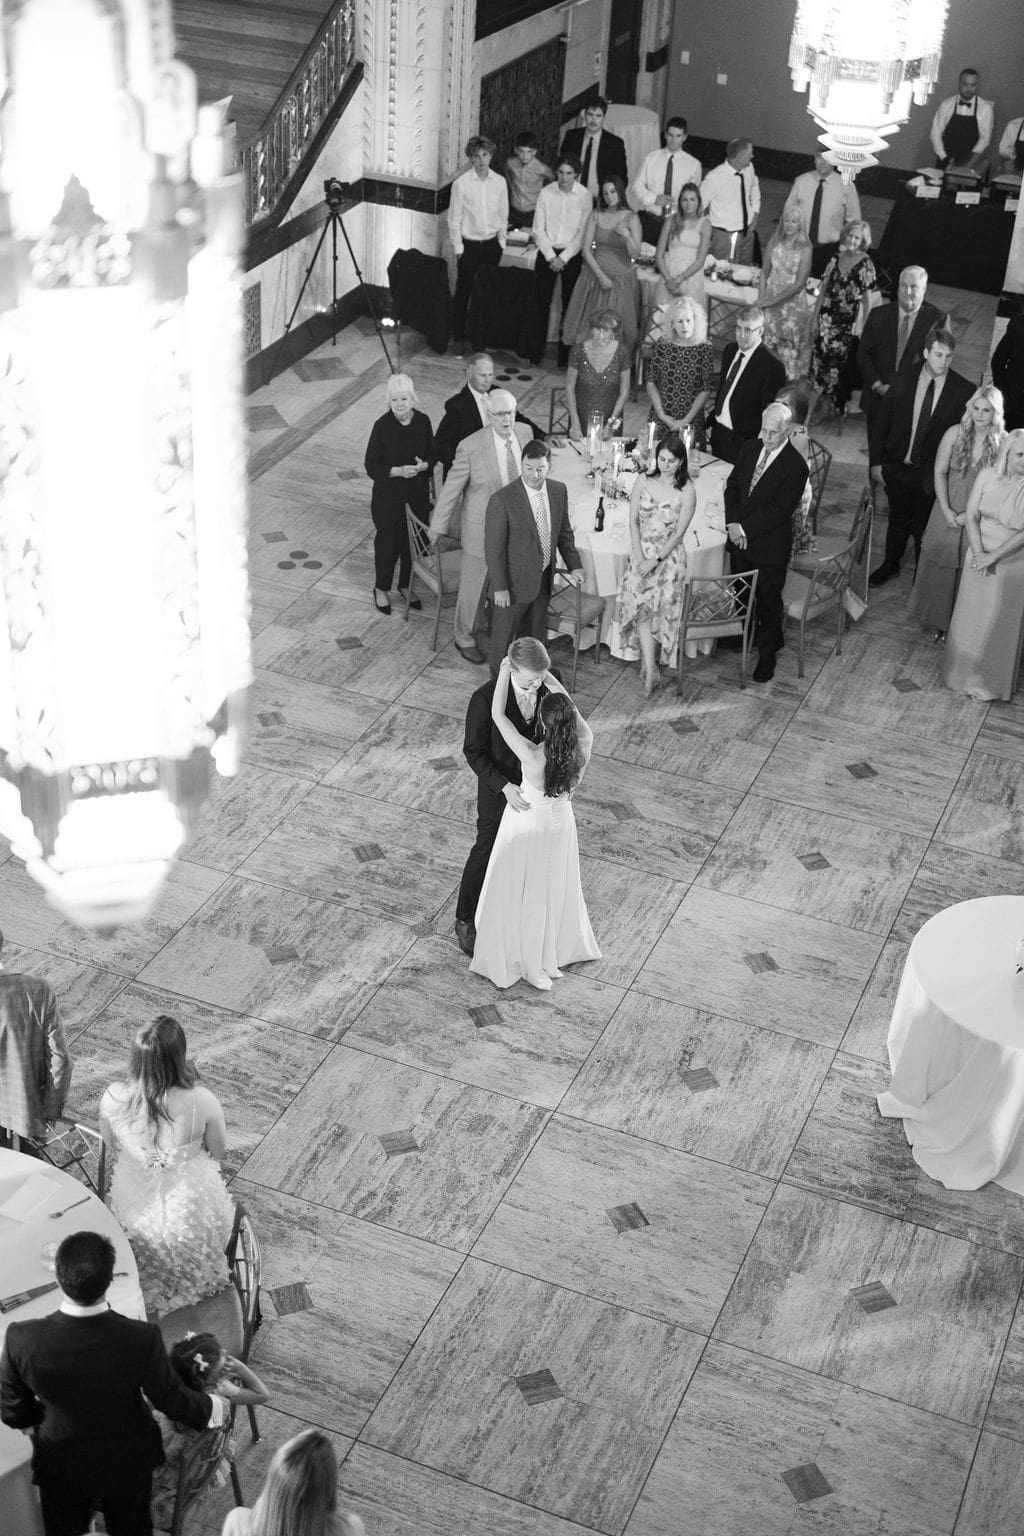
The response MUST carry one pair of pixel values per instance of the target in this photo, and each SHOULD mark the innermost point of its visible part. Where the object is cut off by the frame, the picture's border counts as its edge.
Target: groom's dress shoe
(465, 932)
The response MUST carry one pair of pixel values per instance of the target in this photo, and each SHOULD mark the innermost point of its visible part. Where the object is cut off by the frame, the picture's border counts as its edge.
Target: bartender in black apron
(961, 134)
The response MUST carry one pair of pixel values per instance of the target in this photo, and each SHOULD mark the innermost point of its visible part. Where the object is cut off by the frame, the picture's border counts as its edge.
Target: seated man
(662, 177)
(526, 176)
(962, 127)
(827, 203)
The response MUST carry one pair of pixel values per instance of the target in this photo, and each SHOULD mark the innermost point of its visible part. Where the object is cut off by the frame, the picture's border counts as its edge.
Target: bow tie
(962, 103)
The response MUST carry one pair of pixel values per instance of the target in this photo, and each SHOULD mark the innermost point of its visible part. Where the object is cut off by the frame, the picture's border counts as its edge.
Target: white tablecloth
(956, 1046)
(606, 555)
(21, 1269)
(640, 130)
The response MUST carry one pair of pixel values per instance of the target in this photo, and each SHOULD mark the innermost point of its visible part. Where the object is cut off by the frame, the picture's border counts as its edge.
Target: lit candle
(651, 431)
(616, 460)
(732, 244)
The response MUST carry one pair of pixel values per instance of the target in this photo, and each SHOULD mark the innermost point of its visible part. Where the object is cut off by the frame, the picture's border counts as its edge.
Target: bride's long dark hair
(561, 744)
(157, 1063)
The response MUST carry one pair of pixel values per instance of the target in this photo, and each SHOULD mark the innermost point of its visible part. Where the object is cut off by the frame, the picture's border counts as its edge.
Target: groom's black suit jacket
(485, 749)
(77, 1384)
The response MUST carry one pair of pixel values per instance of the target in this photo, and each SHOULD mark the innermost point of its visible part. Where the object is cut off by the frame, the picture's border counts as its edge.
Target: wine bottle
(599, 515)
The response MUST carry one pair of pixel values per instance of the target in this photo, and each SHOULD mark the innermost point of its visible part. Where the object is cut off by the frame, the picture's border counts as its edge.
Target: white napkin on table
(30, 1198)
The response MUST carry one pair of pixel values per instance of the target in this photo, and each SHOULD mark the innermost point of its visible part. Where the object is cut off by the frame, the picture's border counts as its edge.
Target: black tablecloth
(422, 298)
(960, 246)
(501, 310)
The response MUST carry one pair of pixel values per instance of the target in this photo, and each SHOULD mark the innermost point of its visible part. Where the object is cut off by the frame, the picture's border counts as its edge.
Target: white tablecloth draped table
(606, 555)
(21, 1269)
(956, 1046)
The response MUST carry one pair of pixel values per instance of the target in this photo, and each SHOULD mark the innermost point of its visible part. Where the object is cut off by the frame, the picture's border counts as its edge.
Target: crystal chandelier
(124, 643)
(864, 61)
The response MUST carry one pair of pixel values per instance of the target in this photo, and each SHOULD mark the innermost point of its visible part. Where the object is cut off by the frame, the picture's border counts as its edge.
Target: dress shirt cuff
(217, 1407)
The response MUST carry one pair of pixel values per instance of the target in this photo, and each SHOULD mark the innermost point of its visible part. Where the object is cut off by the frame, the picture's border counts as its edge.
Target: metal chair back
(245, 1262)
(571, 606)
(714, 608)
(819, 462)
(430, 570)
(77, 1148)
(558, 412)
(810, 597)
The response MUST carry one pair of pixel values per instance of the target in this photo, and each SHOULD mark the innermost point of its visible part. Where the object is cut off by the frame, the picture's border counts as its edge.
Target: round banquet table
(606, 555)
(956, 1046)
(21, 1269)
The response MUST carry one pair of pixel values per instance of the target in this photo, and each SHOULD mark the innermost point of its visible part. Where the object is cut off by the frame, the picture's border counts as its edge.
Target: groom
(498, 770)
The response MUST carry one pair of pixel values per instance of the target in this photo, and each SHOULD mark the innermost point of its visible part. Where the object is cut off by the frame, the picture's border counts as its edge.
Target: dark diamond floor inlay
(906, 685)
(872, 1297)
(486, 1016)
(281, 954)
(622, 810)
(291, 1298)
(760, 962)
(398, 1143)
(806, 1482)
(349, 643)
(627, 1218)
(366, 853)
(684, 727)
(813, 861)
(862, 771)
(271, 717)
(538, 1387)
(274, 538)
(699, 1079)
(443, 764)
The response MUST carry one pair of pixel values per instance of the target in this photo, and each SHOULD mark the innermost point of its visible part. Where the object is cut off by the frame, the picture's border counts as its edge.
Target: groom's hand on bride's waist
(517, 801)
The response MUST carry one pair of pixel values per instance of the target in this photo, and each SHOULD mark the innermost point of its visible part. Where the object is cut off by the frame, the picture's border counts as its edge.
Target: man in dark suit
(893, 339)
(499, 772)
(761, 495)
(921, 405)
(526, 524)
(466, 412)
(751, 378)
(35, 1064)
(600, 153)
(75, 1381)
(1008, 371)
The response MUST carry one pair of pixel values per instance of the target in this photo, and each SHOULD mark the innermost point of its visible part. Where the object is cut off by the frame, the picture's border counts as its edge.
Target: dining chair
(716, 608)
(571, 611)
(77, 1148)
(198, 1468)
(558, 412)
(860, 532)
(810, 597)
(435, 568)
(245, 1262)
(819, 462)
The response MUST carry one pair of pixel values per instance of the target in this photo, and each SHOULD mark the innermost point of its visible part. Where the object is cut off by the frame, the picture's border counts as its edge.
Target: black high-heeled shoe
(384, 607)
(414, 602)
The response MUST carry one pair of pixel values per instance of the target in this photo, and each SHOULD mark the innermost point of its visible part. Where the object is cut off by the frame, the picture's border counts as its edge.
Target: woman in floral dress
(782, 294)
(650, 601)
(845, 285)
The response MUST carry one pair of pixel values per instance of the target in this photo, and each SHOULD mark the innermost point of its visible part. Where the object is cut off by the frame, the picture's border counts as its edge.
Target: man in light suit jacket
(893, 339)
(74, 1380)
(484, 462)
(751, 378)
(601, 154)
(761, 495)
(921, 405)
(35, 1064)
(527, 526)
(466, 411)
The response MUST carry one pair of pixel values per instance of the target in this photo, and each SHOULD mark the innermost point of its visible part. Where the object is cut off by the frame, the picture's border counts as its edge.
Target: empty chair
(819, 462)
(714, 608)
(571, 611)
(437, 571)
(78, 1149)
(859, 532)
(810, 597)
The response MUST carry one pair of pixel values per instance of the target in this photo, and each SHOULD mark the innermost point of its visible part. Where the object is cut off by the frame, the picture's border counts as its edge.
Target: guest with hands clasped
(400, 457)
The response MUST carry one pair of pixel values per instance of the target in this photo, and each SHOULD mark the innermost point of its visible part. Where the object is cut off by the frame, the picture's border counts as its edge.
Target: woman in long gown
(843, 297)
(966, 449)
(650, 602)
(681, 375)
(531, 918)
(984, 641)
(611, 244)
(683, 245)
(788, 307)
(168, 1135)
(597, 378)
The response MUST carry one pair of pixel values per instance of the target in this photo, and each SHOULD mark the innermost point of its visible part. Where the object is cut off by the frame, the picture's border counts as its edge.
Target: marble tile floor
(636, 1256)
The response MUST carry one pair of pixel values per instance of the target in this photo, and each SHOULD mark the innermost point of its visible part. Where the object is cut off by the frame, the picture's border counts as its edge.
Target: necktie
(585, 174)
(540, 517)
(743, 201)
(511, 467)
(759, 467)
(814, 232)
(906, 321)
(668, 179)
(737, 363)
(922, 423)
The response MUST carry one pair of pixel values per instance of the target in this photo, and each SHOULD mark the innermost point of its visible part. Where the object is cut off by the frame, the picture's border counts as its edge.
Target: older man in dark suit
(75, 1381)
(751, 378)
(526, 524)
(893, 338)
(921, 405)
(761, 495)
(35, 1064)
(467, 411)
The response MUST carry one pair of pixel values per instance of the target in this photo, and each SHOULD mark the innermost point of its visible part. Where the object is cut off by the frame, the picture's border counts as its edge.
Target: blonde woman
(300, 1495)
(681, 375)
(984, 642)
(966, 449)
(782, 294)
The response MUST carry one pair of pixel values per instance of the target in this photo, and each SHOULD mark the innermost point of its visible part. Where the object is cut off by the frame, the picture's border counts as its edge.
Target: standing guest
(782, 294)
(761, 496)
(751, 378)
(532, 918)
(35, 1063)
(477, 226)
(484, 462)
(681, 373)
(731, 195)
(601, 154)
(558, 225)
(905, 439)
(168, 1136)
(828, 204)
(466, 411)
(662, 178)
(962, 126)
(400, 458)
(597, 379)
(662, 504)
(1008, 371)
(499, 772)
(983, 647)
(843, 298)
(1011, 148)
(300, 1495)
(611, 245)
(527, 525)
(892, 339)
(966, 449)
(683, 245)
(81, 1382)
(526, 176)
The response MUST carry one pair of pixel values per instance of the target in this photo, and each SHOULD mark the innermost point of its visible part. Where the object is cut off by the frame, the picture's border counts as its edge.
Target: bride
(531, 917)
(168, 1135)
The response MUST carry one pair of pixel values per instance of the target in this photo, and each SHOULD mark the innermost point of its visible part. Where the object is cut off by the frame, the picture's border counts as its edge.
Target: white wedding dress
(531, 918)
